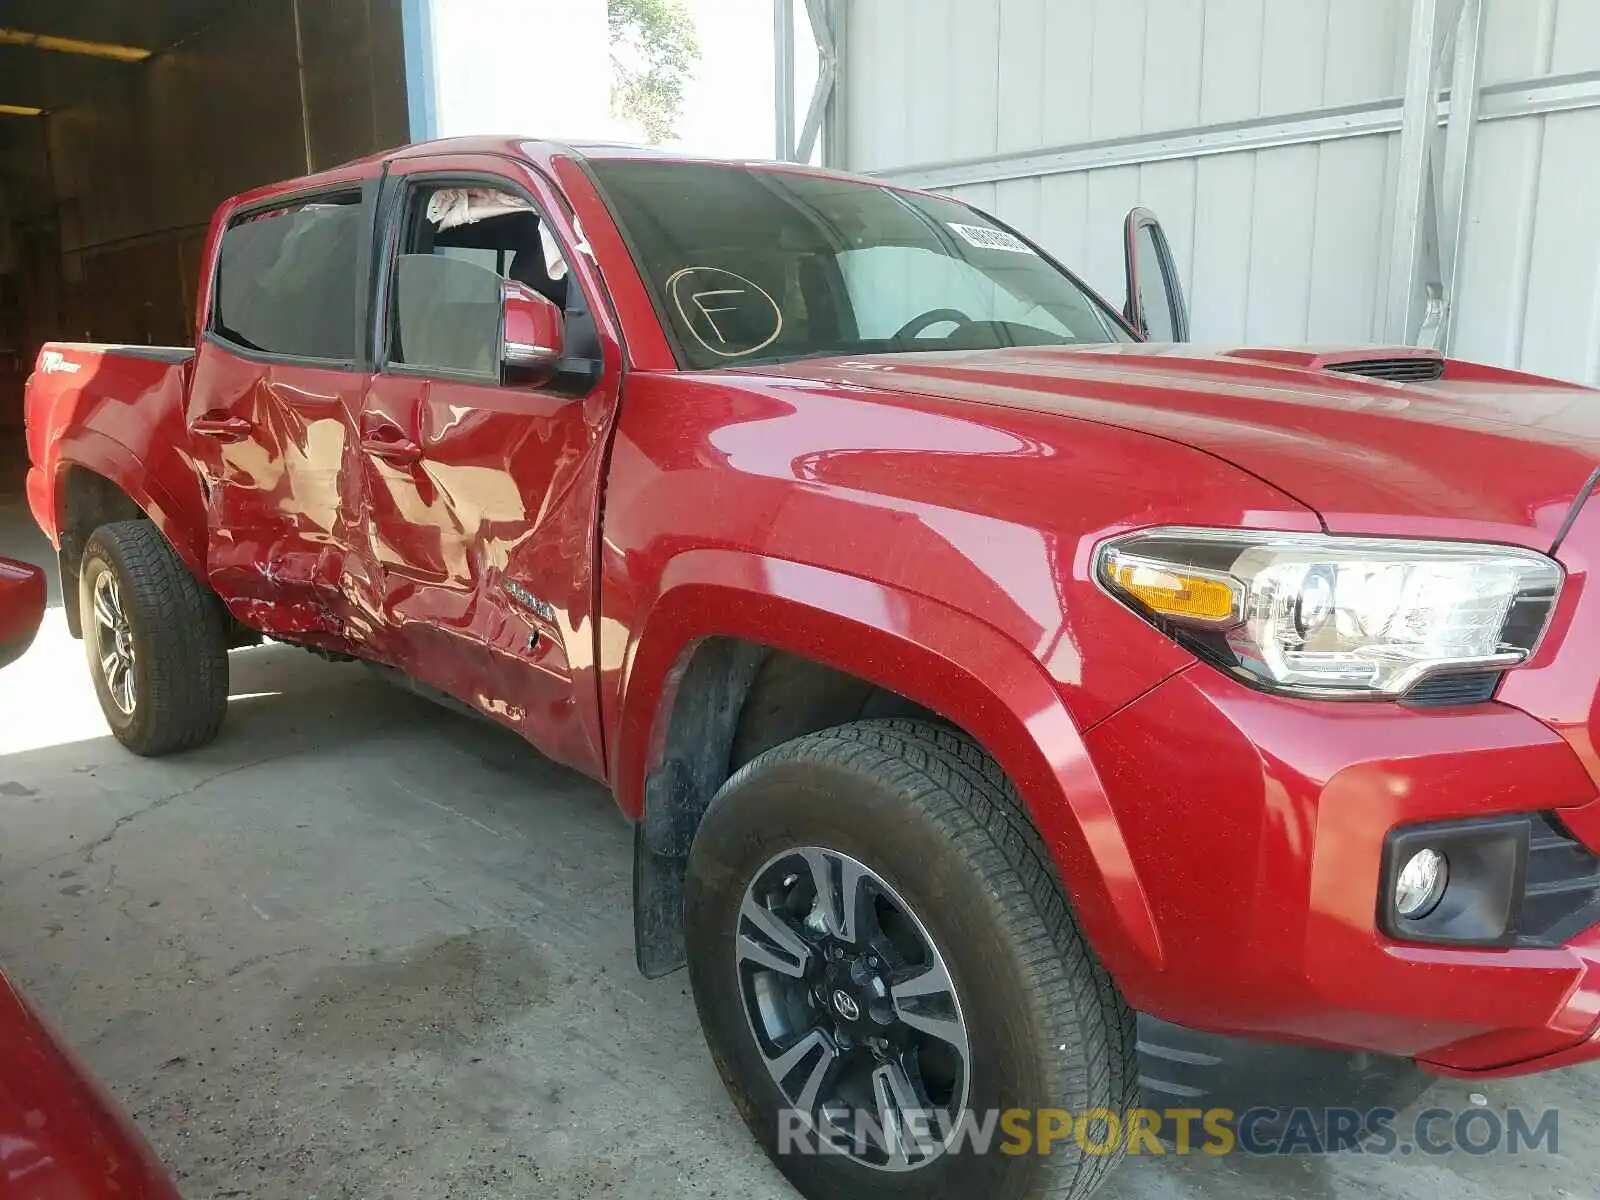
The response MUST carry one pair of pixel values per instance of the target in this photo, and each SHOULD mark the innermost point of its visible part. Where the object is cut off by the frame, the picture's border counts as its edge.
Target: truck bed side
(116, 412)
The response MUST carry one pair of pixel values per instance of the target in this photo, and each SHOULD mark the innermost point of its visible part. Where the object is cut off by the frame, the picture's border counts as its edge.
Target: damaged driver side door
(483, 481)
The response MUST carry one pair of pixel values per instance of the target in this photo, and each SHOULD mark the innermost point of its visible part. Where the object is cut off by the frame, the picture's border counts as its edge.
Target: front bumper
(1256, 825)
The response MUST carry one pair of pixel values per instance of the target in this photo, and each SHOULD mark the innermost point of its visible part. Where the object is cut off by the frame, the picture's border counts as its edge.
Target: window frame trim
(367, 190)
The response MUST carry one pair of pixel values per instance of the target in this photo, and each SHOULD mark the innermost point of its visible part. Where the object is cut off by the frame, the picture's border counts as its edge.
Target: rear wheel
(155, 639)
(884, 964)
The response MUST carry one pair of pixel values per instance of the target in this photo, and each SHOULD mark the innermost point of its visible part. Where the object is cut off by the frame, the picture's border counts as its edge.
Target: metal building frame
(1432, 179)
(421, 101)
(1435, 120)
(827, 26)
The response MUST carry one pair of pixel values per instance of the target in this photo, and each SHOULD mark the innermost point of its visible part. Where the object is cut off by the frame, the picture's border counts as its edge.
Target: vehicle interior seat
(516, 234)
(528, 267)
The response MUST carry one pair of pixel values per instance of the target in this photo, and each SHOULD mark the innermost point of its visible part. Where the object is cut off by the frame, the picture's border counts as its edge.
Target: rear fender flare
(946, 660)
(182, 525)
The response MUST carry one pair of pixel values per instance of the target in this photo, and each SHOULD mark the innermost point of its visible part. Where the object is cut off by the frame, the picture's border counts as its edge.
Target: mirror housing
(531, 341)
(1155, 306)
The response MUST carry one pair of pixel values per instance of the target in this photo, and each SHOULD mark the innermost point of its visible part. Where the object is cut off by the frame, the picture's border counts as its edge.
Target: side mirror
(1155, 294)
(531, 343)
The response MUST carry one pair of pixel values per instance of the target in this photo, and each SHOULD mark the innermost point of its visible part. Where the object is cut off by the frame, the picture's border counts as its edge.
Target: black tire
(179, 659)
(933, 816)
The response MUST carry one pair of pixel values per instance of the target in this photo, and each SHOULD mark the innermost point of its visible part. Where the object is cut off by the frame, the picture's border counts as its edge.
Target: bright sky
(728, 108)
(490, 85)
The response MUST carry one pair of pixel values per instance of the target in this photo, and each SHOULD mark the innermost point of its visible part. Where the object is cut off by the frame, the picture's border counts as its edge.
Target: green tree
(653, 52)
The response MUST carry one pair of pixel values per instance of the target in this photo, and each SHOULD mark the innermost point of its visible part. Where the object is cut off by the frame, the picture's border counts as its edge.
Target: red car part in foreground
(22, 601)
(978, 663)
(61, 1138)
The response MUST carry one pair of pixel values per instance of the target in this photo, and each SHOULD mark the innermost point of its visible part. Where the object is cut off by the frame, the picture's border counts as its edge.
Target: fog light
(1421, 883)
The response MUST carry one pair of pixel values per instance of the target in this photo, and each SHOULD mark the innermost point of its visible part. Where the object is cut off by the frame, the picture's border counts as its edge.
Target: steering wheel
(934, 316)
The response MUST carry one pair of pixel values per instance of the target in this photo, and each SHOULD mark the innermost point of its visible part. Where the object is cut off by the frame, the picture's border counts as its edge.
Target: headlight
(1335, 616)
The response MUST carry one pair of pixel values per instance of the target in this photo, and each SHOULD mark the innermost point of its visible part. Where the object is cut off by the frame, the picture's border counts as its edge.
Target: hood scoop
(1414, 369)
(1396, 364)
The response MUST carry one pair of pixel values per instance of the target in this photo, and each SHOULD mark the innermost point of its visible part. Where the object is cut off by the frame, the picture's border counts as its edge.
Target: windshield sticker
(985, 238)
(729, 315)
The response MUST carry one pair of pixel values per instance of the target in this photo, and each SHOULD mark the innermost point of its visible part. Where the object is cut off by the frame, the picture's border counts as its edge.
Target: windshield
(751, 265)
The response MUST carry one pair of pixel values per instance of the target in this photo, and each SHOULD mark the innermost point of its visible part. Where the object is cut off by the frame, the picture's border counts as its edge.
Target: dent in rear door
(277, 384)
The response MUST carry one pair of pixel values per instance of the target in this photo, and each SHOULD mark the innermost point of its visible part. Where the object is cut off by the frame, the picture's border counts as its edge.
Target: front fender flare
(944, 659)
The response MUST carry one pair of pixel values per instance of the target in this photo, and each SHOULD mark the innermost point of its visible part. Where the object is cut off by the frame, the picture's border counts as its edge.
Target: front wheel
(887, 971)
(156, 641)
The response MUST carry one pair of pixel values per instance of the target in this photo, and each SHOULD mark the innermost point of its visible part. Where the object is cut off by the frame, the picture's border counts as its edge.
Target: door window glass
(1155, 302)
(287, 280)
(447, 314)
(459, 245)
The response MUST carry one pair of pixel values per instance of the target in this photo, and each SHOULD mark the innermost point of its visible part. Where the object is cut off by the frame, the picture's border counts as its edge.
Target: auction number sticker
(985, 238)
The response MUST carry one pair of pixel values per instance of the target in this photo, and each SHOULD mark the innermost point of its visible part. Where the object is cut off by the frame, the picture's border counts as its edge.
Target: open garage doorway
(122, 125)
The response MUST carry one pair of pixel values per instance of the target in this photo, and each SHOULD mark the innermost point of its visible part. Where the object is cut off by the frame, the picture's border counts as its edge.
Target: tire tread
(182, 640)
(960, 788)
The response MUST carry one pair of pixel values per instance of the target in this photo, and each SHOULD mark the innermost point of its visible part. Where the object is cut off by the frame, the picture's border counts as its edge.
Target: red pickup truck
(978, 663)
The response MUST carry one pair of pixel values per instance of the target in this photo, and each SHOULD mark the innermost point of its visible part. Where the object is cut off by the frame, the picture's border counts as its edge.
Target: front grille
(1395, 370)
(1442, 691)
(1561, 897)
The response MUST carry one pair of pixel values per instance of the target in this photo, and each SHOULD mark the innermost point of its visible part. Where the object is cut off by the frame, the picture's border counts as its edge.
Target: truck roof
(536, 150)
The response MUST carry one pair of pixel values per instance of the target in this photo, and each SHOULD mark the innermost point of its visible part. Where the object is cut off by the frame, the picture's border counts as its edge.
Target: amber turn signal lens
(1174, 593)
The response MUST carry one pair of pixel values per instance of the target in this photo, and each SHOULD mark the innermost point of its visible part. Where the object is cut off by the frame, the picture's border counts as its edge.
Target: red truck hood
(1480, 452)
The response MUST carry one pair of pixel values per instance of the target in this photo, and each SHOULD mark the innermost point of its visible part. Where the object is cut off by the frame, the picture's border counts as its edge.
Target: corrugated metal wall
(105, 199)
(143, 156)
(1281, 245)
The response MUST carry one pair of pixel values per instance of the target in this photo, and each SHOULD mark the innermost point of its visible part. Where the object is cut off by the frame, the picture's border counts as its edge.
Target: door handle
(401, 451)
(222, 427)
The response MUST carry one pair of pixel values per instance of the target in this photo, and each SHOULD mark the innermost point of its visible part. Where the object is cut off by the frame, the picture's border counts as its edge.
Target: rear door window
(288, 279)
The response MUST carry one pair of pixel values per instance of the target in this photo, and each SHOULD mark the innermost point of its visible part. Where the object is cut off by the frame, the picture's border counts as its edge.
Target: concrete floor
(363, 947)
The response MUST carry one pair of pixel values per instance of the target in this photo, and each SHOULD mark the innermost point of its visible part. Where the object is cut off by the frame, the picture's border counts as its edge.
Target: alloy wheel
(114, 644)
(853, 1008)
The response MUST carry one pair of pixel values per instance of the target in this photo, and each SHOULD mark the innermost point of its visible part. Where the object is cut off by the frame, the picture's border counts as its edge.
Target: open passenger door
(1155, 305)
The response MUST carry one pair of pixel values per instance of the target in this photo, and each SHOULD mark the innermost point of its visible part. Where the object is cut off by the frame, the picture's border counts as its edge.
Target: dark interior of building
(124, 122)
